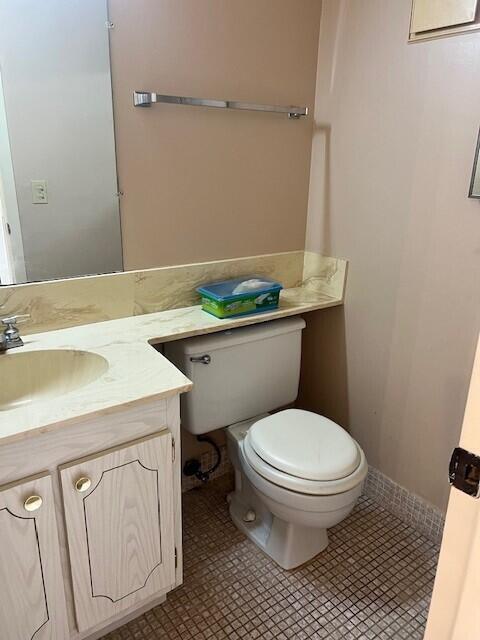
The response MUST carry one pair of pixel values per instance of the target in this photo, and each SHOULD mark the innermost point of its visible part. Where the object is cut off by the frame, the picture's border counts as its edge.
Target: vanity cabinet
(119, 516)
(102, 541)
(32, 603)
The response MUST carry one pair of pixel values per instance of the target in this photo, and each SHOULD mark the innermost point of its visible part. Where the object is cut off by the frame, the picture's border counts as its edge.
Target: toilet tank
(251, 370)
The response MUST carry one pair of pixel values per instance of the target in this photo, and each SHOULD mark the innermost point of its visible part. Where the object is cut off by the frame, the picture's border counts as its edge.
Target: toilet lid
(304, 445)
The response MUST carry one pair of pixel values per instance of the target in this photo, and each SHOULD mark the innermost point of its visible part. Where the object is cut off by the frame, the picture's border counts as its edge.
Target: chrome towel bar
(147, 98)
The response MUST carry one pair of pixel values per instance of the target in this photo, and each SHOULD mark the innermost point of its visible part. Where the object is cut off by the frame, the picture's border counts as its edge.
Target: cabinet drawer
(120, 527)
(32, 602)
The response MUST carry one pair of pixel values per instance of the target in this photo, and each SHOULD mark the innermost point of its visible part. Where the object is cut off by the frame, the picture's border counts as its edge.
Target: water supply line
(193, 467)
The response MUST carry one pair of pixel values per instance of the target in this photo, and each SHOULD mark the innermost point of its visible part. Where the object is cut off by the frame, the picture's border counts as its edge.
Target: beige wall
(396, 126)
(203, 184)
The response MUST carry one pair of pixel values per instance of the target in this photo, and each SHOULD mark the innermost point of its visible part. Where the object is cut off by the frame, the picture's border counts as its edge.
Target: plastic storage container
(219, 299)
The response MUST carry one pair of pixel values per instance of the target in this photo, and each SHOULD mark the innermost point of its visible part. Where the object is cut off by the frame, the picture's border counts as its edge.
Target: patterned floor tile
(374, 581)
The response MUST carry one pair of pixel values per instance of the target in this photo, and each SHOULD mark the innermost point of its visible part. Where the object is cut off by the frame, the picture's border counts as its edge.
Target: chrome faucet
(10, 336)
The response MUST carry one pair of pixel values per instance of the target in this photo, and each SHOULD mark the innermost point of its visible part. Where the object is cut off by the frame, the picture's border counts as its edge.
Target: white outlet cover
(39, 192)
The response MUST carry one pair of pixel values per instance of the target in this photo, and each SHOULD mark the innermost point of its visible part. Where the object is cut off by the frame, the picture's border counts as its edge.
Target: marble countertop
(137, 372)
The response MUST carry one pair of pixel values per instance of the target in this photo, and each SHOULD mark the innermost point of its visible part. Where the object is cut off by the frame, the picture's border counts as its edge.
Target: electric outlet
(39, 192)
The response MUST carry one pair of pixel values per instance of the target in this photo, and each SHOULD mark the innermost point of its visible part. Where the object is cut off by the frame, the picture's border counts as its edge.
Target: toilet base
(289, 545)
(289, 527)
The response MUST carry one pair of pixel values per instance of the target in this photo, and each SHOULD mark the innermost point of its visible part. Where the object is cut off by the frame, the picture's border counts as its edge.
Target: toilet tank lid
(242, 335)
(305, 445)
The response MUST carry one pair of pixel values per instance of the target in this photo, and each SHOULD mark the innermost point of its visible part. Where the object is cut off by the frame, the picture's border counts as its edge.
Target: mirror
(59, 201)
(197, 183)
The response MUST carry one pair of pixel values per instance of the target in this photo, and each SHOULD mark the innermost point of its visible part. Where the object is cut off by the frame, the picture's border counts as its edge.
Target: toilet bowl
(296, 472)
(285, 513)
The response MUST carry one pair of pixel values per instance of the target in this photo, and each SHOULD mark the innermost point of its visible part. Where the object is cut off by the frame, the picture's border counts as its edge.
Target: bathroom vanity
(91, 520)
(90, 476)
(90, 492)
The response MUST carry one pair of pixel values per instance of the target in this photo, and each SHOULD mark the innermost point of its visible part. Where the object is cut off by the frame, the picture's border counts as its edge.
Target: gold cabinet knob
(32, 503)
(83, 484)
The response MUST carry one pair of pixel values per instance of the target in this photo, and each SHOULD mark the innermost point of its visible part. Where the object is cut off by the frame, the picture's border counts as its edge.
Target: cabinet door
(120, 527)
(32, 603)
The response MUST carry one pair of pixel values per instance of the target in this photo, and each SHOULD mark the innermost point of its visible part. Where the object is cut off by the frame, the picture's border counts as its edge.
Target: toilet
(297, 473)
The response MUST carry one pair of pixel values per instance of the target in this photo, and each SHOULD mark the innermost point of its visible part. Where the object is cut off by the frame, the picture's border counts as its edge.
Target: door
(12, 261)
(32, 603)
(455, 612)
(120, 527)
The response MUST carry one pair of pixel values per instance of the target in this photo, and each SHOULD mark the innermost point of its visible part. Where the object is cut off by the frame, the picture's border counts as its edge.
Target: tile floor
(373, 582)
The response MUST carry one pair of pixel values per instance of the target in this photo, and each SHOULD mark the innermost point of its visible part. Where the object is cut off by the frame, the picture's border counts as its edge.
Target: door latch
(464, 472)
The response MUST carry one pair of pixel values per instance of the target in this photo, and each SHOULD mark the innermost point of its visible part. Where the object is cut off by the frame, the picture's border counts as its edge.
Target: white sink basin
(34, 376)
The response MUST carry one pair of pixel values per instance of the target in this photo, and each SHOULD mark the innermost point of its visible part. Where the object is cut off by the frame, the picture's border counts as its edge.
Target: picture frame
(474, 191)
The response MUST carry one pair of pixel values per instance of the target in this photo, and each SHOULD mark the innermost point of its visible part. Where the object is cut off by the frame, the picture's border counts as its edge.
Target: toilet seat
(305, 453)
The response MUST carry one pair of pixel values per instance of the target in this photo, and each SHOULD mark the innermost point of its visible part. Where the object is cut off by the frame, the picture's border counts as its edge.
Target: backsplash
(59, 304)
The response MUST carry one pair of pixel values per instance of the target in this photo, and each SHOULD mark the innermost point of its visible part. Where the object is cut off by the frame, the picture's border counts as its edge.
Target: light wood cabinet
(32, 603)
(96, 553)
(119, 513)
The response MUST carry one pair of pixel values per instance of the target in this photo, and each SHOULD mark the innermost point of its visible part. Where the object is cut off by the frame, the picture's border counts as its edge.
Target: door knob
(33, 503)
(83, 484)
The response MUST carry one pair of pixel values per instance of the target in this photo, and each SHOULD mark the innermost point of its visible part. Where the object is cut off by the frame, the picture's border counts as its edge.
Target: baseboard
(410, 508)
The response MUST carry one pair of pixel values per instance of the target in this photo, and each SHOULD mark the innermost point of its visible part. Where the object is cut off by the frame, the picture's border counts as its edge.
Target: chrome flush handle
(206, 359)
